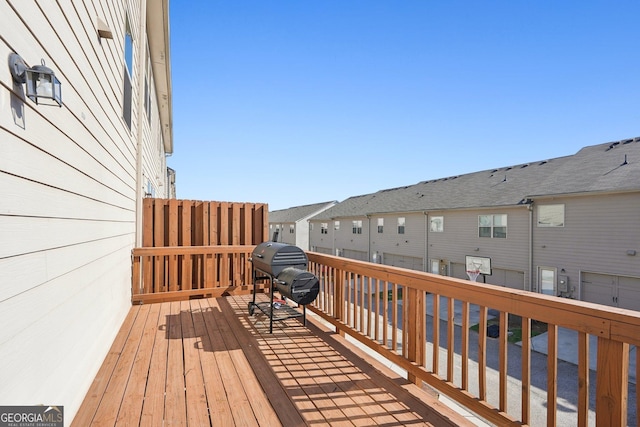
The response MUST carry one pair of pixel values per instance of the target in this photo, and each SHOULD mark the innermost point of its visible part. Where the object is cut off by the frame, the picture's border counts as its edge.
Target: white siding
(67, 199)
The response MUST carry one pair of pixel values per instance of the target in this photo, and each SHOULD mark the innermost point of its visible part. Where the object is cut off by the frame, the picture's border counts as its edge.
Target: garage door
(351, 254)
(413, 263)
(611, 290)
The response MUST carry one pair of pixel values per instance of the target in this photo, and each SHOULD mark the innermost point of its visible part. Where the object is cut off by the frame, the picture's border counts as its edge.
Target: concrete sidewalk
(567, 338)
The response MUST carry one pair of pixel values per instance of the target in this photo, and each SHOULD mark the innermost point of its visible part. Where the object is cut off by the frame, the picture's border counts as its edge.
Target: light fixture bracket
(18, 68)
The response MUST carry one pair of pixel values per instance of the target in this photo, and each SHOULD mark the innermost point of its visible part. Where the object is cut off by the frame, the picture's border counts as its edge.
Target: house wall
(344, 238)
(509, 257)
(68, 205)
(395, 246)
(598, 232)
(321, 242)
(302, 234)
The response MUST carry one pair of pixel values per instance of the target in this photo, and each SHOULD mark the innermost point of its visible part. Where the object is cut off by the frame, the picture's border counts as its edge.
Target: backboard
(478, 263)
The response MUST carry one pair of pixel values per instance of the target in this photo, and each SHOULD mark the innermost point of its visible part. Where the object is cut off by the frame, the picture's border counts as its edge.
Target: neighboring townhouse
(567, 226)
(292, 225)
(73, 178)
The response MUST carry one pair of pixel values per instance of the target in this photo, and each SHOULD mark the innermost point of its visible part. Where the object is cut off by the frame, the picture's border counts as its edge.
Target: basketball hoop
(473, 274)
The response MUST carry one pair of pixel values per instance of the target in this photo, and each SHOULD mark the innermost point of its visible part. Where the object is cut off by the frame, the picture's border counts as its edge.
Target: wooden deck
(207, 362)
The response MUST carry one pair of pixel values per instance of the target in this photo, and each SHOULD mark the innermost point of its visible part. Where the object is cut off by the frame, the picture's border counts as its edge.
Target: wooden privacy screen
(193, 248)
(170, 222)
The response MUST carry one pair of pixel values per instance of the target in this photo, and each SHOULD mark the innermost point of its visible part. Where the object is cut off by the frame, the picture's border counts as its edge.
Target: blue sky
(297, 102)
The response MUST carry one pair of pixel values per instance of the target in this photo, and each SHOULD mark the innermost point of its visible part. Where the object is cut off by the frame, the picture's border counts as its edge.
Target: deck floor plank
(111, 402)
(208, 362)
(97, 389)
(175, 407)
(195, 394)
(153, 405)
(219, 408)
(133, 398)
(262, 409)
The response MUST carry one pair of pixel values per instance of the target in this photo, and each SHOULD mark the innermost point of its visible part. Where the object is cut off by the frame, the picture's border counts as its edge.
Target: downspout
(530, 208)
(142, 46)
(369, 239)
(427, 267)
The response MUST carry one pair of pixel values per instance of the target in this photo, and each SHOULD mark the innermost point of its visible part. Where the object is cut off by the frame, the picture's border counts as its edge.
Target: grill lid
(273, 257)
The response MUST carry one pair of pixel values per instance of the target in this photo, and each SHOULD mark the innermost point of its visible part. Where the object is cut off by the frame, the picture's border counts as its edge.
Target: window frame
(380, 225)
(439, 226)
(356, 226)
(490, 229)
(324, 228)
(402, 224)
(550, 215)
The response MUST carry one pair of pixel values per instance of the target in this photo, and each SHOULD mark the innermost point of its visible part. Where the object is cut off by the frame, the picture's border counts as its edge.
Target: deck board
(207, 362)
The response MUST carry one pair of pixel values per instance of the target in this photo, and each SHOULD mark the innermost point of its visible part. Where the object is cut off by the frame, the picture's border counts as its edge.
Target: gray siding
(598, 232)
(460, 238)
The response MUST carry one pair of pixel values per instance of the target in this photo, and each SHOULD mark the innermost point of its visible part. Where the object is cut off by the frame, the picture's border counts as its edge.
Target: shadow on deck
(207, 362)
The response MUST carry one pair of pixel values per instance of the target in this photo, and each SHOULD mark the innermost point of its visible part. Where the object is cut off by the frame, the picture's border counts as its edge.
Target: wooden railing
(182, 272)
(385, 309)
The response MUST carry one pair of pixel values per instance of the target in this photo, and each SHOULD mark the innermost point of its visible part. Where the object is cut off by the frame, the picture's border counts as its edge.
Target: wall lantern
(43, 87)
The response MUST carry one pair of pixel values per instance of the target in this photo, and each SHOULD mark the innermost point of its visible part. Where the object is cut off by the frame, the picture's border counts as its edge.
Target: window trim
(550, 224)
(439, 229)
(492, 227)
(324, 228)
(402, 224)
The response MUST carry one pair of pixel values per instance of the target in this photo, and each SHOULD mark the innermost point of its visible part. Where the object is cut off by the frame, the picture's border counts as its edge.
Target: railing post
(611, 383)
(338, 297)
(416, 328)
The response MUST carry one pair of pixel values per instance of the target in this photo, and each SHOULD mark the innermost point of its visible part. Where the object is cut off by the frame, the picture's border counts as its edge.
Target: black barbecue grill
(285, 266)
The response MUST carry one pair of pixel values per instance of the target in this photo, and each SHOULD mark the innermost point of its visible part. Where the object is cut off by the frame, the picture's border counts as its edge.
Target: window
(336, 225)
(357, 227)
(324, 228)
(494, 226)
(128, 73)
(380, 225)
(551, 216)
(547, 279)
(292, 229)
(310, 226)
(436, 224)
(401, 225)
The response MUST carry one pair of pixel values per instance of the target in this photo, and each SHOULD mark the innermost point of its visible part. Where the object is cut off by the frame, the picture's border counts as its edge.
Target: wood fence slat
(435, 366)
(187, 260)
(552, 373)
(464, 351)
(482, 354)
(583, 379)
(450, 337)
(172, 225)
(394, 316)
(158, 240)
(611, 383)
(504, 326)
(526, 370)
